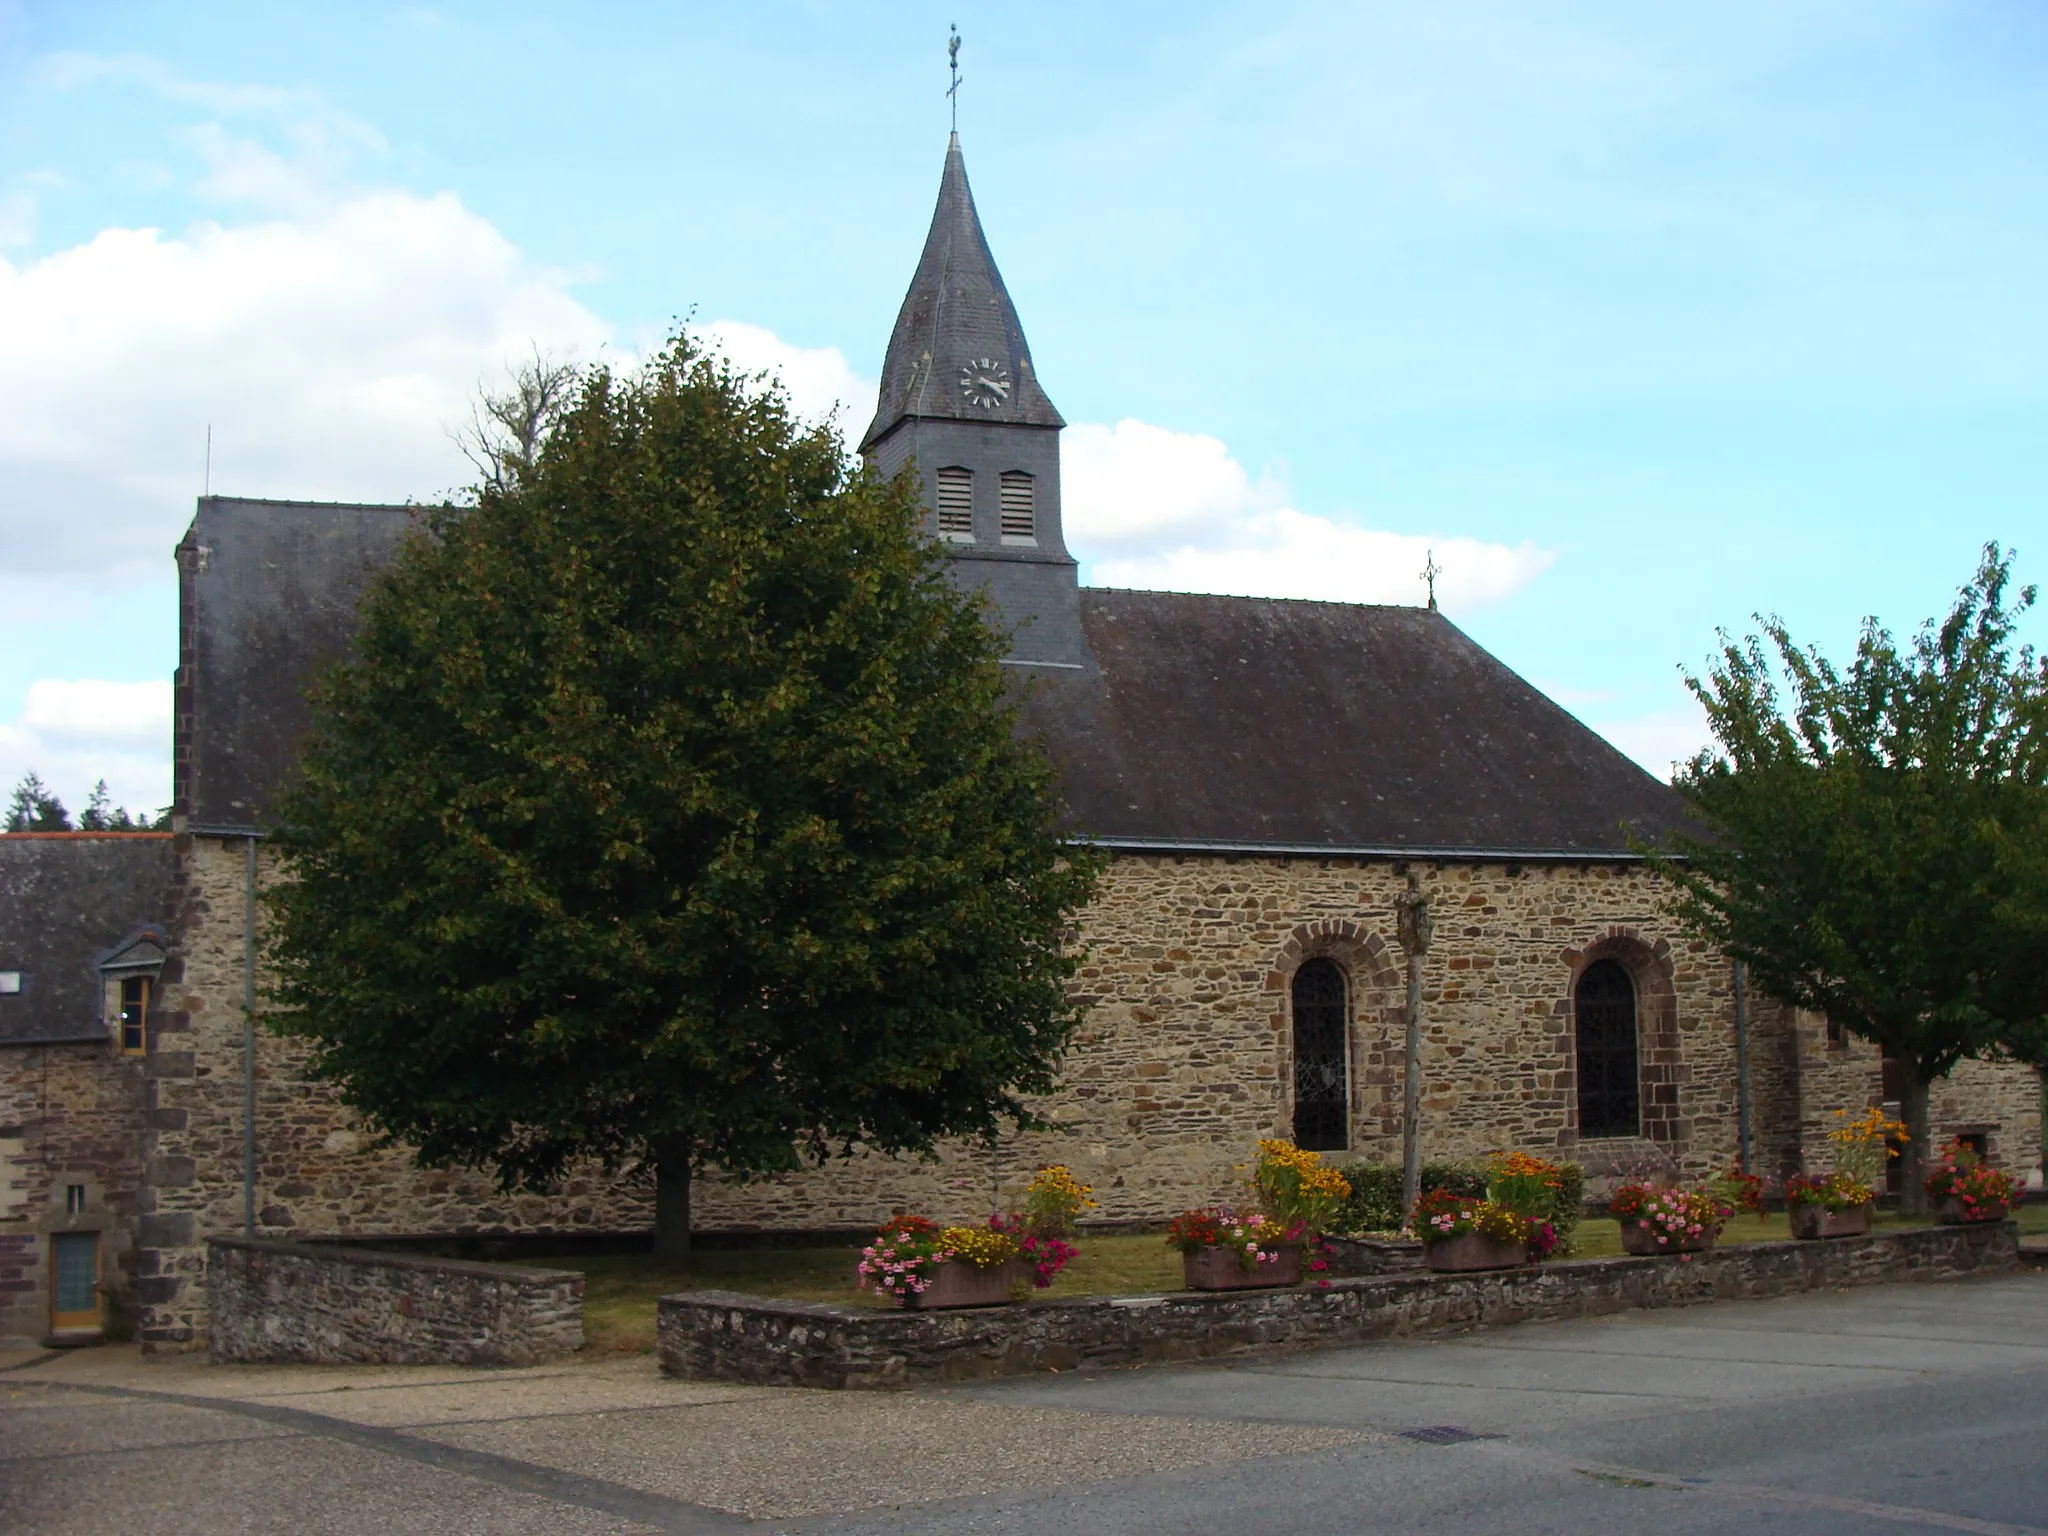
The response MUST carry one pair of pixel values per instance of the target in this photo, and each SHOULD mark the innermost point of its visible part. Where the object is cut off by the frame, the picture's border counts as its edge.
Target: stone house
(1268, 778)
(82, 942)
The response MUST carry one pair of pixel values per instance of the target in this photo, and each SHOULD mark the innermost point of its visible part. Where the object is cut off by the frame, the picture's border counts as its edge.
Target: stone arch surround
(1663, 1074)
(1376, 1002)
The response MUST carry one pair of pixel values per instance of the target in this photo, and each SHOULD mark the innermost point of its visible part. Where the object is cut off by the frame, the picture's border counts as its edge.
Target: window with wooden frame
(956, 505)
(1020, 516)
(74, 1280)
(134, 1014)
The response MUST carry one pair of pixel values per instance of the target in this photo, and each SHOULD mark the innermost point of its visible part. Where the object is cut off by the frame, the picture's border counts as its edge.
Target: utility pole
(1412, 923)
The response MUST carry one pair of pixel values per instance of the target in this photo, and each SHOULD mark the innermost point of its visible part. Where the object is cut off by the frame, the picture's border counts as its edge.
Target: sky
(1643, 319)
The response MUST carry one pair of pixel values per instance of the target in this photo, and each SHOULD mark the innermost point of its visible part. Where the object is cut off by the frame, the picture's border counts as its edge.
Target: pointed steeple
(958, 352)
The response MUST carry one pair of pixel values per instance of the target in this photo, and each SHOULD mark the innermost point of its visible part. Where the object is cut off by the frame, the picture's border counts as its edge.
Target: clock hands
(995, 384)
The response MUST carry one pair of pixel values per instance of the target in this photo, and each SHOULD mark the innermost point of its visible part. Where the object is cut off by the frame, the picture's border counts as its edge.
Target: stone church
(1267, 776)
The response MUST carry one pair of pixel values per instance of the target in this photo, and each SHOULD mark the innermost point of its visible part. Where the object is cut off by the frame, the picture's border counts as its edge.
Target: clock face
(985, 383)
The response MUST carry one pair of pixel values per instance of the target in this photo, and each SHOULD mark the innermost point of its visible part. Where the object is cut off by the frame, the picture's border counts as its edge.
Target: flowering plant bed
(1967, 1188)
(1669, 1220)
(1460, 1233)
(920, 1264)
(1293, 1196)
(1216, 1241)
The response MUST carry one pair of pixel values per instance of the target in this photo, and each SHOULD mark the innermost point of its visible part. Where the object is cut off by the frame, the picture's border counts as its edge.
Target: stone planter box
(1642, 1241)
(1813, 1221)
(1950, 1213)
(1470, 1251)
(1375, 1255)
(1220, 1269)
(959, 1284)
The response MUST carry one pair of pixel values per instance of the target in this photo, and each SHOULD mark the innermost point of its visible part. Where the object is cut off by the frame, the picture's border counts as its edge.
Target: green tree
(1863, 838)
(674, 815)
(35, 809)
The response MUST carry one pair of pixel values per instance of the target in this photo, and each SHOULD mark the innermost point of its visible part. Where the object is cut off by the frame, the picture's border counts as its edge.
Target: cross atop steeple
(1430, 571)
(953, 63)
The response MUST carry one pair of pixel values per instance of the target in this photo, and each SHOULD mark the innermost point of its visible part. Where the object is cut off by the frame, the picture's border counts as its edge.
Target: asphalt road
(1913, 1407)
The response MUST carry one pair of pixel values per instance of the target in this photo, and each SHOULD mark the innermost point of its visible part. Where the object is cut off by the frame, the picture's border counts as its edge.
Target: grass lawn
(620, 1289)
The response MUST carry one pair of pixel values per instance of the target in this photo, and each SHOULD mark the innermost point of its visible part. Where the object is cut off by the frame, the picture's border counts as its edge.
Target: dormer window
(1020, 518)
(134, 1013)
(956, 505)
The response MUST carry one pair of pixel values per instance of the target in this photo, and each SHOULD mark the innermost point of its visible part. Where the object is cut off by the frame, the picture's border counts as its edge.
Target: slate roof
(1200, 721)
(68, 901)
(1251, 722)
(267, 594)
(956, 312)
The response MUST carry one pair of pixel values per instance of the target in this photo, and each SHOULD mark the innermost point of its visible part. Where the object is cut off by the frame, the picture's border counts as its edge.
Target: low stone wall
(723, 1336)
(314, 1304)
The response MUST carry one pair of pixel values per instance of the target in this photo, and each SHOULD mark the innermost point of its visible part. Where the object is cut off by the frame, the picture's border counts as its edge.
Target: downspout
(249, 1036)
(1742, 1063)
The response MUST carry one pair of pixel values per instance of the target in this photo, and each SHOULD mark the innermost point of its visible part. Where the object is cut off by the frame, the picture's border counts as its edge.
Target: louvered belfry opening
(956, 504)
(1604, 1012)
(1321, 1070)
(1020, 521)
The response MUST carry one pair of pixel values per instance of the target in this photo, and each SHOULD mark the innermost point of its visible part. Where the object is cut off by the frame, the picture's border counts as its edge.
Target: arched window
(1604, 1009)
(1321, 1070)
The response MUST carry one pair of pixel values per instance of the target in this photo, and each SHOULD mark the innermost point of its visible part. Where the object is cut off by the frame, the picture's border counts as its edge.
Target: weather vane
(1430, 571)
(953, 63)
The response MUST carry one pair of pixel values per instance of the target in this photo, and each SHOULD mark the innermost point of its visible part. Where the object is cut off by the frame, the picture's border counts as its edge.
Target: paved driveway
(1895, 1408)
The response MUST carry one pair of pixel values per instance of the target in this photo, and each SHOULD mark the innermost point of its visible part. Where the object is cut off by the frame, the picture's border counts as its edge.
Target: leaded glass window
(1322, 1078)
(1604, 1010)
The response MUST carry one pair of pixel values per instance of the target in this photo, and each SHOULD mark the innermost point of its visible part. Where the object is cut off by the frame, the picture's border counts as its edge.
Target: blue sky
(1645, 318)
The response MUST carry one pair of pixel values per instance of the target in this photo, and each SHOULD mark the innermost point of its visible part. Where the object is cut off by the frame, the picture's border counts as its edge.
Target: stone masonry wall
(317, 1173)
(721, 1336)
(1182, 1064)
(1184, 1061)
(70, 1118)
(311, 1305)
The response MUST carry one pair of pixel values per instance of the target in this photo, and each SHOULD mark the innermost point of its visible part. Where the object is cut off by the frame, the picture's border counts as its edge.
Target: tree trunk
(1913, 1166)
(672, 1200)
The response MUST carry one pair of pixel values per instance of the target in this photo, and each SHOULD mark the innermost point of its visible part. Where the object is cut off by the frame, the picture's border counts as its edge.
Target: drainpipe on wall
(1413, 926)
(249, 1036)
(1742, 1063)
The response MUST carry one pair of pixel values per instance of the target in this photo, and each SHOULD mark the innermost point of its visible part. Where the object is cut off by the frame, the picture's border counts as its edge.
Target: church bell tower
(961, 401)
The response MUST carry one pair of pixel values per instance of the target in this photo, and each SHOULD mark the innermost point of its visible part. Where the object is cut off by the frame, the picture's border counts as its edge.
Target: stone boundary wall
(724, 1336)
(311, 1304)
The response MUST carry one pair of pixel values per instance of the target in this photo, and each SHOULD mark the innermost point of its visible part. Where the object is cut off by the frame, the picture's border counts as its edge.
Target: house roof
(70, 901)
(1199, 721)
(268, 593)
(1259, 723)
(956, 313)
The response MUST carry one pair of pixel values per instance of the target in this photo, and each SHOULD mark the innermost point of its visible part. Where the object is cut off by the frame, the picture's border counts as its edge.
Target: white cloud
(329, 353)
(1138, 482)
(1152, 508)
(821, 383)
(74, 732)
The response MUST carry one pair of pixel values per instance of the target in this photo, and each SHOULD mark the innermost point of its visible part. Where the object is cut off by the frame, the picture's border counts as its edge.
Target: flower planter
(959, 1284)
(1472, 1251)
(1811, 1221)
(1641, 1240)
(1220, 1269)
(1953, 1213)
